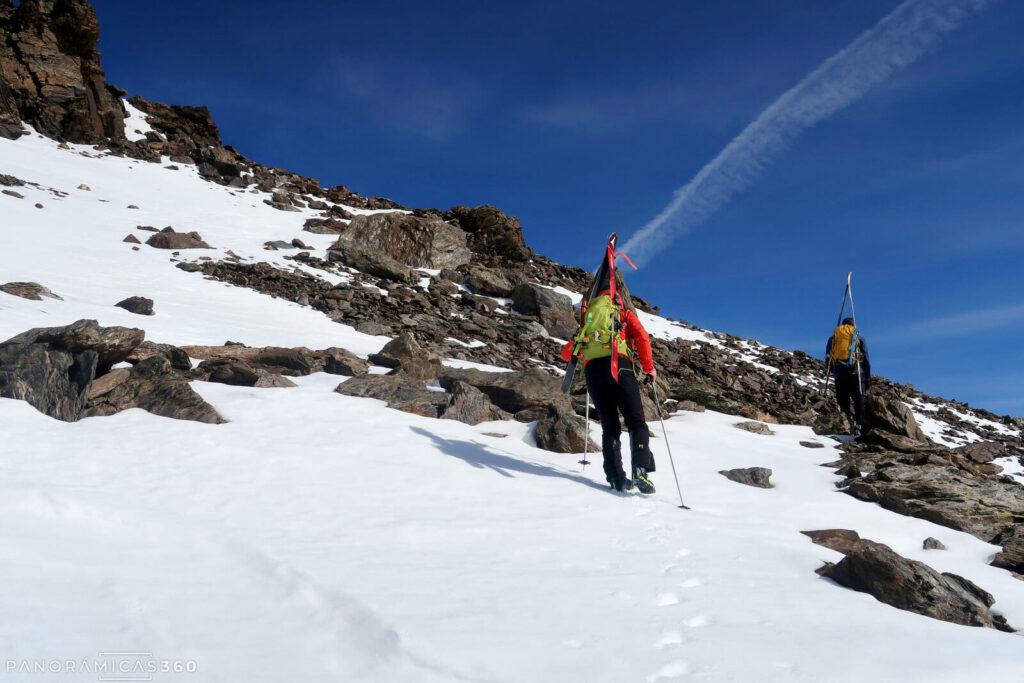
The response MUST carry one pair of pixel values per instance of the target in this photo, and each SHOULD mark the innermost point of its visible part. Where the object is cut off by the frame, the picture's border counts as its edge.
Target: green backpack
(600, 323)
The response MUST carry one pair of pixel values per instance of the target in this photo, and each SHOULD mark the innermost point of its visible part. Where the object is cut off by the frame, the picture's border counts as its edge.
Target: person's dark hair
(847, 321)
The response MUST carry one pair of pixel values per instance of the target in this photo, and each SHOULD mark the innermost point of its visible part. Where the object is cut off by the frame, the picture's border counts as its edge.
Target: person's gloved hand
(651, 377)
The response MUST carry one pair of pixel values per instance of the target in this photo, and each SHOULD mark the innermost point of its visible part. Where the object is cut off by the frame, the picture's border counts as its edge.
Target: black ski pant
(611, 398)
(850, 397)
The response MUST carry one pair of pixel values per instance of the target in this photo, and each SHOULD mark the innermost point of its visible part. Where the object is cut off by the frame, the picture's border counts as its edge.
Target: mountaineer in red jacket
(608, 327)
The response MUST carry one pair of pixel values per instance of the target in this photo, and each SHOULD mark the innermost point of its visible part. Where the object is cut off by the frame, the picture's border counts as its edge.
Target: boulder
(755, 428)
(111, 344)
(561, 430)
(155, 387)
(324, 226)
(885, 412)
(28, 290)
(1012, 555)
(168, 239)
(933, 544)
(370, 262)
(410, 240)
(405, 353)
(342, 362)
(399, 391)
(511, 391)
(139, 305)
(553, 310)
(489, 282)
(751, 476)
(178, 358)
(471, 406)
(910, 585)
(492, 233)
(50, 379)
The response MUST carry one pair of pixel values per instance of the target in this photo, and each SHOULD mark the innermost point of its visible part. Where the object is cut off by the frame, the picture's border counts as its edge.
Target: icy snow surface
(320, 537)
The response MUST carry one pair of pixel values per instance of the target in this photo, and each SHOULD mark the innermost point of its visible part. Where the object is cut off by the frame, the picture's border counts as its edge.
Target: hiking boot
(623, 484)
(643, 481)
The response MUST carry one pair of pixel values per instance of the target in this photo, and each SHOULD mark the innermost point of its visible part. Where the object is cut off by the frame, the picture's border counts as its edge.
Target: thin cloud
(895, 42)
(961, 324)
(415, 99)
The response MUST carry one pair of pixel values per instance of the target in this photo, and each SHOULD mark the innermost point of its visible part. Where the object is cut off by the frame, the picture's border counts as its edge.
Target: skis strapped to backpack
(606, 269)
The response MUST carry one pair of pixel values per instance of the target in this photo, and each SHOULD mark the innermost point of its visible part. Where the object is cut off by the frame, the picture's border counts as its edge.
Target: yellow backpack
(844, 345)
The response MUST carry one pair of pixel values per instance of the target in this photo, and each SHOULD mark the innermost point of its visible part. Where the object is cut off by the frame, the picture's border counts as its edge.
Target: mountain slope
(334, 538)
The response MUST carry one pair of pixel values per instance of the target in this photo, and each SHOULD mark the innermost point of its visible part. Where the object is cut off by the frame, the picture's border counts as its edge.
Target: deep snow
(322, 537)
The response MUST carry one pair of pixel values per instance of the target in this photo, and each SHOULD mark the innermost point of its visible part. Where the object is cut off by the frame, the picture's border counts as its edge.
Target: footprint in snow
(573, 643)
(675, 669)
(667, 599)
(682, 553)
(691, 583)
(697, 621)
(669, 638)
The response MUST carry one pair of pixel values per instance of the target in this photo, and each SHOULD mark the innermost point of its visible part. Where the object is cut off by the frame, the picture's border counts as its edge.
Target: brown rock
(139, 305)
(755, 428)
(28, 290)
(177, 240)
(751, 476)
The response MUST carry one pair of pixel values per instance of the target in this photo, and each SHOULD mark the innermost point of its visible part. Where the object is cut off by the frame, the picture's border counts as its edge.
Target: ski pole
(667, 447)
(856, 356)
(586, 433)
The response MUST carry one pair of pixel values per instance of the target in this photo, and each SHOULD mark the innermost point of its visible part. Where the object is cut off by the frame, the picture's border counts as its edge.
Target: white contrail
(894, 42)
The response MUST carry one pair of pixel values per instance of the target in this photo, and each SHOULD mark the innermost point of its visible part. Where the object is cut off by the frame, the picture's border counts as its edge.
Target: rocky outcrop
(28, 290)
(890, 423)
(139, 305)
(470, 405)
(552, 310)
(154, 386)
(406, 355)
(750, 476)
(66, 373)
(169, 239)
(492, 233)
(50, 74)
(275, 360)
(399, 391)
(910, 585)
(410, 240)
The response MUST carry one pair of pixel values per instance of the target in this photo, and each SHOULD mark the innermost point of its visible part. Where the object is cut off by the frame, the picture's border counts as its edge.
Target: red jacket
(636, 333)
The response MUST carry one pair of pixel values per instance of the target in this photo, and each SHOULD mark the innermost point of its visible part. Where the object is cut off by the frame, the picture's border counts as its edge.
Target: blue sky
(583, 118)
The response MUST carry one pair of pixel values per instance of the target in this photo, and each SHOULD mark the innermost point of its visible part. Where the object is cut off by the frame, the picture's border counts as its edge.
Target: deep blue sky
(581, 118)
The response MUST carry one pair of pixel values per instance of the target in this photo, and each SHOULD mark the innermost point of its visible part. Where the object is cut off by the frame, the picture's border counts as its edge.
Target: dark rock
(51, 380)
(561, 430)
(278, 244)
(409, 240)
(751, 476)
(553, 310)
(914, 586)
(885, 412)
(399, 391)
(132, 239)
(178, 358)
(373, 263)
(137, 304)
(812, 444)
(755, 428)
(933, 544)
(1012, 555)
(177, 240)
(12, 193)
(406, 353)
(492, 232)
(510, 391)
(154, 386)
(489, 282)
(343, 362)
(28, 290)
(111, 344)
(373, 328)
(10, 181)
(470, 405)
(840, 540)
(51, 74)
(324, 226)
(228, 371)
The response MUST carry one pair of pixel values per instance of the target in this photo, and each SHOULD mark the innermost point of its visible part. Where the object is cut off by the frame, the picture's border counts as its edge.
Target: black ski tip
(685, 507)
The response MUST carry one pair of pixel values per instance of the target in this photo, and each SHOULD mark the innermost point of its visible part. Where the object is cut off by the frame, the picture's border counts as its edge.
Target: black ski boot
(623, 484)
(643, 481)
(643, 461)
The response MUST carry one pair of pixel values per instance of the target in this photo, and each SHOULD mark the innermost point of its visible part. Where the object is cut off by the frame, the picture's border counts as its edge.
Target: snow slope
(319, 537)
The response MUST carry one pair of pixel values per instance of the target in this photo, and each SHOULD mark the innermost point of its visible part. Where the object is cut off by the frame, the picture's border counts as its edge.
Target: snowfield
(320, 537)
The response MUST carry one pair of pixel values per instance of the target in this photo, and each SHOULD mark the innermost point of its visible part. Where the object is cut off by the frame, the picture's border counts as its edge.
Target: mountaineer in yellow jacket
(847, 355)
